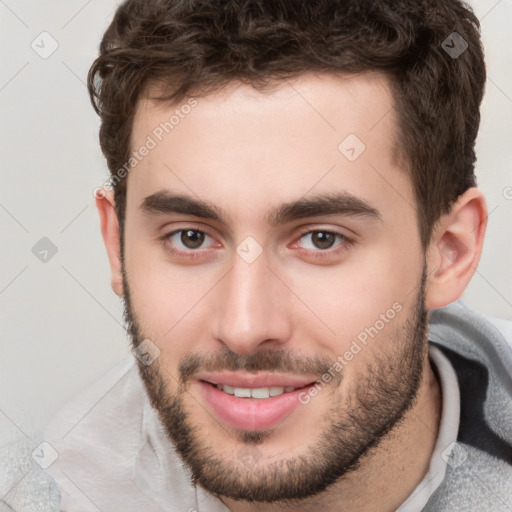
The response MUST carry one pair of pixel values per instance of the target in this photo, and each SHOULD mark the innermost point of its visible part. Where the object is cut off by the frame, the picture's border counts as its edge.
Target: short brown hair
(192, 47)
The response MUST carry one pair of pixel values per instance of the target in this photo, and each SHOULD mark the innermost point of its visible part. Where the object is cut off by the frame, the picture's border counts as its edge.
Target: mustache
(266, 360)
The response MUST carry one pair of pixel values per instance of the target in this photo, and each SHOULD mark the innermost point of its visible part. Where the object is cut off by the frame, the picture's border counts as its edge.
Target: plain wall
(61, 323)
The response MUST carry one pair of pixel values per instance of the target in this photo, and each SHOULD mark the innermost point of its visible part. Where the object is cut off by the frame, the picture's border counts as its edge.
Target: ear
(111, 236)
(455, 248)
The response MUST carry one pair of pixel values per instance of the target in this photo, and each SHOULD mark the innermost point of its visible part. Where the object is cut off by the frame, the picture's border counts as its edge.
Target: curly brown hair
(193, 47)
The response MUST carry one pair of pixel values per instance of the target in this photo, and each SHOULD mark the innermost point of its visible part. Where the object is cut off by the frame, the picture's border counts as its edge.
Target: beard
(375, 404)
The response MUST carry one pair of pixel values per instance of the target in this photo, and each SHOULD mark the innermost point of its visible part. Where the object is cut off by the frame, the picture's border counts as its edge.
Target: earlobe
(111, 237)
(455, 249)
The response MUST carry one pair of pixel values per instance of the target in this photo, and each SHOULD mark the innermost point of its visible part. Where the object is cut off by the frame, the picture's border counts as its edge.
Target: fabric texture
(24, 486)
(479, 472)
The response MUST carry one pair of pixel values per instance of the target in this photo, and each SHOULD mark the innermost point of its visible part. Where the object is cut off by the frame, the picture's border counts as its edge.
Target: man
(292, 200)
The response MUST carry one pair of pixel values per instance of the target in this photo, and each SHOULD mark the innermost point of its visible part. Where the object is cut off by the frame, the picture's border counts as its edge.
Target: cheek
(164, 301)
(170, 302)
(350, 297)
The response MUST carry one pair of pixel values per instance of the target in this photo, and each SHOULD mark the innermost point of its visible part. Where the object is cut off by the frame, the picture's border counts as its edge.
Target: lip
(252, 414)
(242, 380)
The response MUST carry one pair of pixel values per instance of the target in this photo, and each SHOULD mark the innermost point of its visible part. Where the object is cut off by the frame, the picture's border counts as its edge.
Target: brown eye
(321, 239)
(191, 238)
(187, 240)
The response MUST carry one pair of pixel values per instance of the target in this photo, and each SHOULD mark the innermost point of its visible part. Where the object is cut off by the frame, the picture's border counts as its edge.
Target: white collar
(446, 437)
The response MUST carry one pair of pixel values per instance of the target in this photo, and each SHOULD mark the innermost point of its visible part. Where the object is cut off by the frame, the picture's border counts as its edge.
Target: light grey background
(61, 324)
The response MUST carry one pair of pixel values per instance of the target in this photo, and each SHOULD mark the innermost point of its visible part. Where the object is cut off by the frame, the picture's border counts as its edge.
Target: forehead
(315, 133)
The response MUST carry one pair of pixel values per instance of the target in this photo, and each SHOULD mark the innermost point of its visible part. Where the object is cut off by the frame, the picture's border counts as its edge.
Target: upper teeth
(254, 392)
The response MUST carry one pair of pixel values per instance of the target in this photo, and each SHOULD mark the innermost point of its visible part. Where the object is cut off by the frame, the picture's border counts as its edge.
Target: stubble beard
(377, 403)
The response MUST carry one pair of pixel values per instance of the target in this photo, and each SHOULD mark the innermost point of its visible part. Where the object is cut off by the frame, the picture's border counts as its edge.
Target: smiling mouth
(259, 393)
(253, 408)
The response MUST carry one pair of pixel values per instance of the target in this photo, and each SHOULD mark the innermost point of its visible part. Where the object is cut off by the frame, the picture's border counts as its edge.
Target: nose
(252, 308)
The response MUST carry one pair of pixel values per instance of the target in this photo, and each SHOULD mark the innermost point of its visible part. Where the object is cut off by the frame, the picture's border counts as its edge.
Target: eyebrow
(341, 203)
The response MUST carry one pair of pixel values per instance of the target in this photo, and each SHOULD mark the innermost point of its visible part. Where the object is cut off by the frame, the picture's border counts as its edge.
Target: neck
(388, 475)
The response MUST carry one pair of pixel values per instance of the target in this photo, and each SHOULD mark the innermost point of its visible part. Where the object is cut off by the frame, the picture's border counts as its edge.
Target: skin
(246, 152)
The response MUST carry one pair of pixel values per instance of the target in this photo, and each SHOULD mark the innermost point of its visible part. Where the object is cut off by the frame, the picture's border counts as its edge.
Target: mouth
(252, 403)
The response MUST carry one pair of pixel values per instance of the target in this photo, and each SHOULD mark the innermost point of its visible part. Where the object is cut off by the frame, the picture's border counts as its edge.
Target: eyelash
(192, 253)
(345, 243)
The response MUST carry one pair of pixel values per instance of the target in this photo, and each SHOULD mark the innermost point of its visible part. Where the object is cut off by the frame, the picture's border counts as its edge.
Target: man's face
(262, 298)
